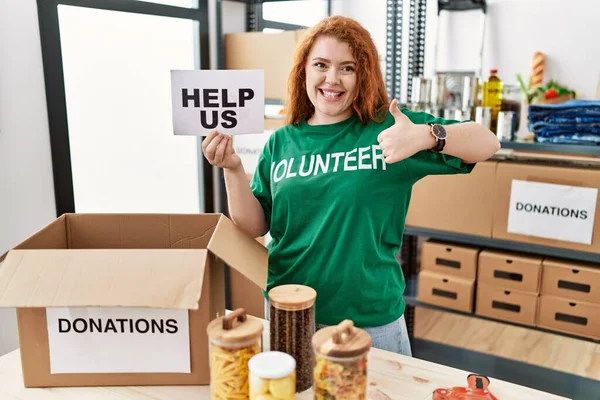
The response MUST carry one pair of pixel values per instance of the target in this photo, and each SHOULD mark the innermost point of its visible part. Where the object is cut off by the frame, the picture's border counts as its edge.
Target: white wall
(26, 184)
(565, 30)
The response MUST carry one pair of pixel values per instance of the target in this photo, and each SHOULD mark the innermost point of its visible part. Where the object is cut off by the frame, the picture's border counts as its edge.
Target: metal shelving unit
(553, 148)
(411, 268)
(411, 299)
(460, 238)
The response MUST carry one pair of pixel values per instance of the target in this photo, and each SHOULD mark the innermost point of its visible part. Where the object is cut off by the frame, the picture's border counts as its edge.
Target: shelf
(504, 244)
(553, 148)
(410, 297)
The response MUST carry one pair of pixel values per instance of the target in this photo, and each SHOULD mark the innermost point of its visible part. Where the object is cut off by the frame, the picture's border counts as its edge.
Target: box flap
(240, 251)
(106, 278)
(53, 236)
(140, 231)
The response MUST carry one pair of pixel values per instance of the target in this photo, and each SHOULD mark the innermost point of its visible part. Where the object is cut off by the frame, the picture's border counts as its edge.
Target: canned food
(507, 125)
(483, 116)
(449, 113)
(462, 115)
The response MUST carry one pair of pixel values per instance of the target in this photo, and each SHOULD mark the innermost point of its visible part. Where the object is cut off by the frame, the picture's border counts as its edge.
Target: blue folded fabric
(584, 105)
(547, 129)
(588, 140)
(571, 122)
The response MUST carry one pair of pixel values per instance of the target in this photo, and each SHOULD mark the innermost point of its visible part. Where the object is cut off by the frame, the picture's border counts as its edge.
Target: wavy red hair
(371, 100)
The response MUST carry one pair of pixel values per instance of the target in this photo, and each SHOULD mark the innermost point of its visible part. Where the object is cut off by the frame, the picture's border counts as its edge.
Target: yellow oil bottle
(492, 96)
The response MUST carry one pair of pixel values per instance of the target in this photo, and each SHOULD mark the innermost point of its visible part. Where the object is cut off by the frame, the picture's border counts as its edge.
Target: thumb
(395, 111)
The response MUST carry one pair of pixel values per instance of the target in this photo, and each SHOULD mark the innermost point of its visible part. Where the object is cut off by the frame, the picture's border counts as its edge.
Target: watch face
(439, 131)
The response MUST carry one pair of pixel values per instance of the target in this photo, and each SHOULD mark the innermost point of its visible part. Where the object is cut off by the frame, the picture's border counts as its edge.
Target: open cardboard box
(83, 270)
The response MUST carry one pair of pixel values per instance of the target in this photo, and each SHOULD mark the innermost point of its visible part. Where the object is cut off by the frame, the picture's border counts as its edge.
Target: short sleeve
(425, 162)
(261, 182)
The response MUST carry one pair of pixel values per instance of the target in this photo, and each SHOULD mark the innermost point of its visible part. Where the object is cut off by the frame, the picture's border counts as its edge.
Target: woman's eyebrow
(328, 61)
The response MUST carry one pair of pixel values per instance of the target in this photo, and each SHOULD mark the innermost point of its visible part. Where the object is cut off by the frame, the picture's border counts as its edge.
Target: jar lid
(236, 327)
(272, 365)
(343, 340)
(292, 297)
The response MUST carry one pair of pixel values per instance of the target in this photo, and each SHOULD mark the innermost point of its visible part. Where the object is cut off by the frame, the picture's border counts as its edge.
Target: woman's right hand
(218, 150)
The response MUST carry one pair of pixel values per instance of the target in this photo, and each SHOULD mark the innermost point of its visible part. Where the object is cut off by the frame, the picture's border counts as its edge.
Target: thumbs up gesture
(404, 138)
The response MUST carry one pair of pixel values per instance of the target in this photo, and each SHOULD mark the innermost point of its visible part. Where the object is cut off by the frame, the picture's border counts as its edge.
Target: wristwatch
(439, 133)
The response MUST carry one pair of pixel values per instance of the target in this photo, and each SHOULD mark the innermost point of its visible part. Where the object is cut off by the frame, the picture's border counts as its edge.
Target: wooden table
(391, 376)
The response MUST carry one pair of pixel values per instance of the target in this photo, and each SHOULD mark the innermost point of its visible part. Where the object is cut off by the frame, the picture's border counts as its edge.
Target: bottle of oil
(492, 96)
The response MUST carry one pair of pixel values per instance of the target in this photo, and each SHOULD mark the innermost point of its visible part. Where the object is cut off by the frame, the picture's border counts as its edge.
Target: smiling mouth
(330, 94)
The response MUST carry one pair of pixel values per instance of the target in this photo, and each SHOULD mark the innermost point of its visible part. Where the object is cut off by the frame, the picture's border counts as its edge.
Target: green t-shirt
(336, 214)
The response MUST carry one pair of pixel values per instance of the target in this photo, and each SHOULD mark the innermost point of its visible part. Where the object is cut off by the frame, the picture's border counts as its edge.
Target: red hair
(371, 100)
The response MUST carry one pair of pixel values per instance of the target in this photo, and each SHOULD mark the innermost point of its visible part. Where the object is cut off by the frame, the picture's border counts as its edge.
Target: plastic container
(234, 340)
(341, 357)
(272, 376)
(292, 325)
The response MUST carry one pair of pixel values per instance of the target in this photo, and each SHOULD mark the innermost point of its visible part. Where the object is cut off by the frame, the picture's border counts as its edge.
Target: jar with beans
(292, 324)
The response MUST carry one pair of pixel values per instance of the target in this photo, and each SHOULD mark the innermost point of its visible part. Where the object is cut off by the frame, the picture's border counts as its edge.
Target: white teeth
(331, 94)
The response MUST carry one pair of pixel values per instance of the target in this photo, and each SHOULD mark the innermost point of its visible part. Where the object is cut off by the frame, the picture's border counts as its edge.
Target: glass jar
(341, 357)
(292, 325)
(272, 376)
(512, 101)
(234, 340)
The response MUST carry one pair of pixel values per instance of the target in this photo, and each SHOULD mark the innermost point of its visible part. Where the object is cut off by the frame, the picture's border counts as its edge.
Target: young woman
(333, 185)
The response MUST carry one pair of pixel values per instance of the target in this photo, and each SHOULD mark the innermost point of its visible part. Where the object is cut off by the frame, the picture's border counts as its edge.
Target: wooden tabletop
(391, 376)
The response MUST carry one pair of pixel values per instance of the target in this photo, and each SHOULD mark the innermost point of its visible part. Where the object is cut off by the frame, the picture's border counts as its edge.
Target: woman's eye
(348, 68)
(320, 65)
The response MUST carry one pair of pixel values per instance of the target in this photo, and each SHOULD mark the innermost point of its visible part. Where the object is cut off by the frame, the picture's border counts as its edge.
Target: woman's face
(330, 80)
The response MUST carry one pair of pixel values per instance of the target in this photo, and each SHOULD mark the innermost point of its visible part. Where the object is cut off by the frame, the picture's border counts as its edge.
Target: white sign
(552, 211)
(249, 148)
(230, 101)
(121, 340)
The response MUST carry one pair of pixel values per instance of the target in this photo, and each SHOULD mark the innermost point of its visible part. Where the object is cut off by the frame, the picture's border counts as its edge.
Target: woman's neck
(324, 119)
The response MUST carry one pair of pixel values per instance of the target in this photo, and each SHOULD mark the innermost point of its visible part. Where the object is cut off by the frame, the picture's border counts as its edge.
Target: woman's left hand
(405, 138)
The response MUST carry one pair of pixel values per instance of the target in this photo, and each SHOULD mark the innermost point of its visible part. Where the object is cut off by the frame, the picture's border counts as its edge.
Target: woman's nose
(332, 77)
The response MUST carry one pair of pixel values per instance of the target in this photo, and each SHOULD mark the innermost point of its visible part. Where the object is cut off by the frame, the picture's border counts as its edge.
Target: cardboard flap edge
(181, 267)
(241, 252)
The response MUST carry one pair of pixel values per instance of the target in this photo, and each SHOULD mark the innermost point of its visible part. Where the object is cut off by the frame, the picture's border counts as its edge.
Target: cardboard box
(449, 259)
(510, 271)
(271, 52)
(125, 264)
(579, 177)
(571, 280)
(455, 203)
(446, 291)
(508, 305)
(569, 316)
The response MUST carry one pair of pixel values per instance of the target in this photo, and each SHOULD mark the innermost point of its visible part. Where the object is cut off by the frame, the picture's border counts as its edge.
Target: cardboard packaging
(507, 172)
(571, 280)
(455, 203)
(510, 271)
(569, 316)
(508, 305)
(109, 263)
(449, 259)
(446, 291)
(271, 52)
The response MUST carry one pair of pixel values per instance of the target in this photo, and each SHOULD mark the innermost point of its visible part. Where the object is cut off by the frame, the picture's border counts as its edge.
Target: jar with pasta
(272, 376)
(234, 340)
(292, 324)
(341, 358)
